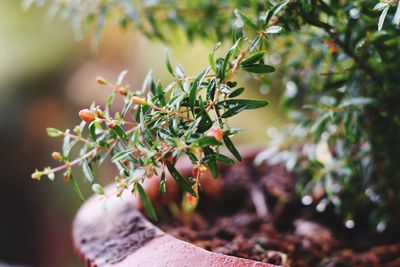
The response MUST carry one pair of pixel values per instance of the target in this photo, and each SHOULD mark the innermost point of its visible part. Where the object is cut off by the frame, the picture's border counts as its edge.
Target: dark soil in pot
(252, 213)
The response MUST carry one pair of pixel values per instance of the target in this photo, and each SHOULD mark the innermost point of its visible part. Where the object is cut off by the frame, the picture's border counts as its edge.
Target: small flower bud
(56, 156)
(101, 80)
(86, 115)
(332, 46)
(123, 90)
(149, 173)
(216, 132)
(66, 178)
(170, 159)
(110, 124)
(197, 170)
(192, 200)
(100, 113)
(37, 175)
(139, 100)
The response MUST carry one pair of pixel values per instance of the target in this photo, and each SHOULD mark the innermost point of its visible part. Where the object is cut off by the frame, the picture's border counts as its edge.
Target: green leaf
(231, 147)
(356, 101)
(245, 19)
(275, 10)
(224, 159)
(52, 132)
(205, 122)
(205, 141)
(50, 174)
(121, 77)
(225, 89)
(380, 6)
(160, 95)
(219, 157)
(110, 101)
(396, 18)
(211, 56)
(146, 202)
(258, 68)
(146, 133)
(232, 131)
(75, 187)
(122, 154)
(253, 58)
(195, 86)
(249, 103)
(211, 161)
(92, 130)
(273, 29)
(211, 90)
(121, 133)
(87, 171)
(183, 183)
(66, 144)
(163, 183)
(233, 111)
(382, 17)
(237, 33)
(168, 64)
(236, 93)
(227, 58)
(104, 144)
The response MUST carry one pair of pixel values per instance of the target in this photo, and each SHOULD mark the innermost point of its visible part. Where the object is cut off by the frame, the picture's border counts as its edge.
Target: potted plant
(327, 190)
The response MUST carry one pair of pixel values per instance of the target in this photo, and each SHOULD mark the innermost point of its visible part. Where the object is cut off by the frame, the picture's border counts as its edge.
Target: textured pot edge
(93, 205)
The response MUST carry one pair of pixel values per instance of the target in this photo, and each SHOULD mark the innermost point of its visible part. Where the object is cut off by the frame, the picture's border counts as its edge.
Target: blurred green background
(46, 76)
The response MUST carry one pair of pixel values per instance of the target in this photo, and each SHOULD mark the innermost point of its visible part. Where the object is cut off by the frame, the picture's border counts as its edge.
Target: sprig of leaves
(159, 124)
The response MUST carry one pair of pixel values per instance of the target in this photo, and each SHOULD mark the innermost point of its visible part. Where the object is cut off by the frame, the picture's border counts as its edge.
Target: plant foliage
(340, 70)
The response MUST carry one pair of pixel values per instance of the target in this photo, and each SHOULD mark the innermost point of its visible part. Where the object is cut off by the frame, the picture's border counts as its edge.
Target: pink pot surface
(113, 232)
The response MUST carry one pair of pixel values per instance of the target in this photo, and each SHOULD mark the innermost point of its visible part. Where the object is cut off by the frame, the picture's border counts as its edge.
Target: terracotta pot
(115, 233)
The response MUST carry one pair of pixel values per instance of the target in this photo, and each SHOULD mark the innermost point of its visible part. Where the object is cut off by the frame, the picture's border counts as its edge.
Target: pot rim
(95, 224)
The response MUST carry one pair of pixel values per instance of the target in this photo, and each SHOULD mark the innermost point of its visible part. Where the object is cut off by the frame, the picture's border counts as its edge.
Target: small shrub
(340, 65)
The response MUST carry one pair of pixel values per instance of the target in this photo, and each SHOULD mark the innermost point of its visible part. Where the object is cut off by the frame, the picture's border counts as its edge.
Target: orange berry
(56, 156)
(216, 132)
(86, 115)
